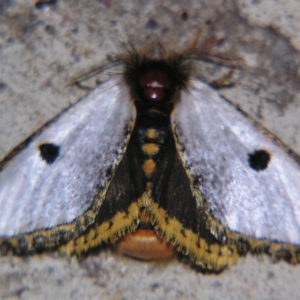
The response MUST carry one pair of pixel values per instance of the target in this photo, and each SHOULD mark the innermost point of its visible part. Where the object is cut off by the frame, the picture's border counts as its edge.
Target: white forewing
(91, 135)
(216, 141)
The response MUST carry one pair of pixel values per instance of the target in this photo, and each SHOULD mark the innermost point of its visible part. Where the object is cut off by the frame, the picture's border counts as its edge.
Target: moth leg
(225, 81)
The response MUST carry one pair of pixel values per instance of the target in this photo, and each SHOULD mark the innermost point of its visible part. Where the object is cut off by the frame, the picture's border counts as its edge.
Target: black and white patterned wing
(251, 184)
(54, 178)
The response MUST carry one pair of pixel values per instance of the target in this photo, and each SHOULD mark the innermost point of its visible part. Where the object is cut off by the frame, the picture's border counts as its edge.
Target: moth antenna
(195, 41)
(76, 80)
(161, 49)
(203, 50)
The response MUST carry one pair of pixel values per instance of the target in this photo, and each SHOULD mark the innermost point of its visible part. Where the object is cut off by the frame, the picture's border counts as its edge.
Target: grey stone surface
(41, 49)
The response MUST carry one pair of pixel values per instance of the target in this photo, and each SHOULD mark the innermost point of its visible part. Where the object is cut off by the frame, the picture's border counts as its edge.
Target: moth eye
(49, 152)
(259, 160)
(155, 84)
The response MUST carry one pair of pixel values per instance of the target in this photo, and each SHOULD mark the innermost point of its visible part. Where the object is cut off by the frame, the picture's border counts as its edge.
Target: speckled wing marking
(215, 143)
(67, 182)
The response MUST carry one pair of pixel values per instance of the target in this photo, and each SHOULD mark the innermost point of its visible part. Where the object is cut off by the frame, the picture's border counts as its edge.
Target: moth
(152, 160)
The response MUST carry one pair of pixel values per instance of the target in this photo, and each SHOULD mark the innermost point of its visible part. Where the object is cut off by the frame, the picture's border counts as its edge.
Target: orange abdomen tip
(144, 244)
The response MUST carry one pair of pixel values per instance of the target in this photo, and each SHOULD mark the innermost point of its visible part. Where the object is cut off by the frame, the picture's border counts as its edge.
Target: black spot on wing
(259, 159)
(49, 152)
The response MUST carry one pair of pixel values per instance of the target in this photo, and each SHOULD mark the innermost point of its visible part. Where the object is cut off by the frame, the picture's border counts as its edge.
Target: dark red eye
(155, 84)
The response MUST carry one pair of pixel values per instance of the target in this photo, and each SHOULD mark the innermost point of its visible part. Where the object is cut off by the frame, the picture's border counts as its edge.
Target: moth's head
(155, 80)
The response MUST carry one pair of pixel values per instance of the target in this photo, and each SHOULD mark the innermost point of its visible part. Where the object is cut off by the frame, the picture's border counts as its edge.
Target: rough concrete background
(42, 47)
